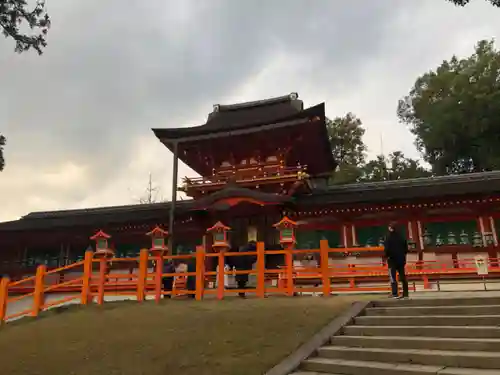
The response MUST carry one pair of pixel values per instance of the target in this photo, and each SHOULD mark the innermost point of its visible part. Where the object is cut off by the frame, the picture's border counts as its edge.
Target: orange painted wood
(87, 274)
(325, 270)
(289, 272)
(103, 266)
(4, 295)
(158, 278)
(261, 270)
(220, 276)
(141, 277)
(200, 271)
(38, 299)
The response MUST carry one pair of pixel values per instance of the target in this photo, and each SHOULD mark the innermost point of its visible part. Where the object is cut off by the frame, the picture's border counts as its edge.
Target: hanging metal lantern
(412, 245)
(369, 242)
(464, 238)
(488, 238)
(452, 238)
(477, 240)
(439, 240)
(427, 237)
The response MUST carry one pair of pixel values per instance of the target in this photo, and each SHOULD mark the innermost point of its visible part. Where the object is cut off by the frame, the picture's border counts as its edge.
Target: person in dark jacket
(191, 280)
(395, 250)
(168, 281)
(244, 263)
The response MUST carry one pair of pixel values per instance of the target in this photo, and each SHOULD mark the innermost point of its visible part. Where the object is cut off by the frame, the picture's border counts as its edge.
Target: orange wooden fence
(92, 279)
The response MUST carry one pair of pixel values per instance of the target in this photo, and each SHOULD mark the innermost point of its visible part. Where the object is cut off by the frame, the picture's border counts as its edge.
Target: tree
(16, 14)
(394, 167)
(462, 3)
(151, 194)
(3, 141)
(454, 111)
(346, 139)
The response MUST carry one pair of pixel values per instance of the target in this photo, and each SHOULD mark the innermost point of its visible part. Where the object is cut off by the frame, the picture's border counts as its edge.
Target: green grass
(229, 337)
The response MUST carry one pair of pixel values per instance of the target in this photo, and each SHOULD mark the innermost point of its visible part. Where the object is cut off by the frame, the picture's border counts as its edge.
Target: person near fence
(191, 279)
(168, 281)
(395, 250)
(245, 263)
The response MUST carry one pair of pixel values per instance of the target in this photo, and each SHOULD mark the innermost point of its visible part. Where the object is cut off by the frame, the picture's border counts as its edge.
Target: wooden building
(257, 162)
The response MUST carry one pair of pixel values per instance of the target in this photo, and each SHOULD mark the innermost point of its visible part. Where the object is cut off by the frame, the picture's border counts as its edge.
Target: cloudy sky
(78, 118)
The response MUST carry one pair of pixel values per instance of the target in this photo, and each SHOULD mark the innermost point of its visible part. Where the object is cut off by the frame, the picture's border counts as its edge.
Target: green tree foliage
(346, 139)
(462, 3)
(394, 167)
(454, 111)
(3, 141)
(16, 15)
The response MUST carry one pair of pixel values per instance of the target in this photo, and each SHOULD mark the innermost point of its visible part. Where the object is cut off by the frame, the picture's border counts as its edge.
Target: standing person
(191, 280)
(168, 281)
(245, 263)
(395, 250)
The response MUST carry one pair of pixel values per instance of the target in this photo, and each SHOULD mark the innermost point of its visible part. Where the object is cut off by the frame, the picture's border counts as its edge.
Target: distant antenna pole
(150, 189)
(381, 144)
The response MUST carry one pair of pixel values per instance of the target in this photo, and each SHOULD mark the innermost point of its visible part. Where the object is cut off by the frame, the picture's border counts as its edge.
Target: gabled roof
(237, 116)
(93, 217)
(226, 118)
(403, 190)
(197, 144)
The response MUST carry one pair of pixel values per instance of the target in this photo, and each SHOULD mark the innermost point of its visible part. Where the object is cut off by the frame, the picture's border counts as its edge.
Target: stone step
(430, 343)
(444, 358)
(429, 320)
(427, 331)
(389, 302)
(433, 310)
(340, 366)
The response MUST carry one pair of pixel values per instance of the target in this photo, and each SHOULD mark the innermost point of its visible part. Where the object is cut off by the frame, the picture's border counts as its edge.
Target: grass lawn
(229, 337)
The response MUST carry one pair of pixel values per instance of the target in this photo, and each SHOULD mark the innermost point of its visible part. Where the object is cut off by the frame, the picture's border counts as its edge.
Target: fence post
(87, 276)
(141, 277)
(4, 295)
(289, 272)
(38, 298)
(158, 278)
(103, 265)
(261, 270)
(427, 285)
(220, 275)
(325, 267)
(200, 272)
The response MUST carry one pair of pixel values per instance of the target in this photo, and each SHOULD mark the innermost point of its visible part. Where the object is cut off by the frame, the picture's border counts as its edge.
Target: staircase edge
(306, 350)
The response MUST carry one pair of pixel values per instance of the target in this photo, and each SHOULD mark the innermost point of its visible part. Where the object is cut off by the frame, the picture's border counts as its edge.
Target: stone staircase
(415, 337)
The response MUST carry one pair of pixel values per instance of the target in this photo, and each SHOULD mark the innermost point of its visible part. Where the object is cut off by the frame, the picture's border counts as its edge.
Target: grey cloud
(113, 69)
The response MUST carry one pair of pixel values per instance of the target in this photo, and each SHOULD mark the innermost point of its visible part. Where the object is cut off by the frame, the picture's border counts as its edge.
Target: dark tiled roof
(403, 190)
(93, 216)
(388, 191)
(316, 151)
(238, 116)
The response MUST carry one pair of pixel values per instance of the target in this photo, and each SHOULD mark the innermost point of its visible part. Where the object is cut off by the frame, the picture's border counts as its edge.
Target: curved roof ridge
(255, 103)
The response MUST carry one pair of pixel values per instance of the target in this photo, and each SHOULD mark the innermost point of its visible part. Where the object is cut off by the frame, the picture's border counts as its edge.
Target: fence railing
(142, 277)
